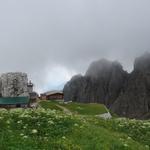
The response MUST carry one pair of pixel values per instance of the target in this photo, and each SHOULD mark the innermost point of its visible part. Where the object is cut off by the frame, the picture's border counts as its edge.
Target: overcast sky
(52, 40)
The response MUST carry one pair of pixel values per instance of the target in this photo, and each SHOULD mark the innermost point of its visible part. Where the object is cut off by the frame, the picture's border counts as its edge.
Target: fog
(53, 40)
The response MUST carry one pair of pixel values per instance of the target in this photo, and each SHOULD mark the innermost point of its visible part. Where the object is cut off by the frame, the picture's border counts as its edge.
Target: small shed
(13, 102)
(53, 95)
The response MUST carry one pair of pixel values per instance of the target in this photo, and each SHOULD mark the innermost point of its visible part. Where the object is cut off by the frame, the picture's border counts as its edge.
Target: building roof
(14, 100)
(52, 92)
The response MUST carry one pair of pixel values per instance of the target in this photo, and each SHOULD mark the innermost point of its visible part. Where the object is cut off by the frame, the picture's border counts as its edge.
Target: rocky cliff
(102, 82)
(13, 84)
(134, 102)
(106, 82)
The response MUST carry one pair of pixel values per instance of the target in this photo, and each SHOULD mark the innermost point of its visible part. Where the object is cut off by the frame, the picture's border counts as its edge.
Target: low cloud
(53, 40)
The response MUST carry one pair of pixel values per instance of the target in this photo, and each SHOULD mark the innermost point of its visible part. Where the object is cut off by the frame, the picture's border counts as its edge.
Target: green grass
(86, 109)
(77, 108)
(49, 105)
(40, 129)
(99, 138)
(50, 128)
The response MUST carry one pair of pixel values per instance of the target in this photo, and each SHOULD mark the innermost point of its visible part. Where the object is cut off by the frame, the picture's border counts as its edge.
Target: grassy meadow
(51, 128)
(76, 108)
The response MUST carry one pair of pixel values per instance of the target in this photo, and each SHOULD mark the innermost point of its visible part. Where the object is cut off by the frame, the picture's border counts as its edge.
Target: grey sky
(53, 39)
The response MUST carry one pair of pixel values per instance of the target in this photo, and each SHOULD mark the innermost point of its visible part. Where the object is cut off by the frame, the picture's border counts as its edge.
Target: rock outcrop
(13, 84)
(102, 83)
(134, 102)
(106, 82)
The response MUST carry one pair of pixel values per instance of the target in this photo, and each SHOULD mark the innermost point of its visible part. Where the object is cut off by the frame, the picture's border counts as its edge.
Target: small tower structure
(30, 87)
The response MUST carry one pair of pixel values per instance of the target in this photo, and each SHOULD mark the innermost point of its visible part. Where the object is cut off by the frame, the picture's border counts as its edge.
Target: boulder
(14, 84)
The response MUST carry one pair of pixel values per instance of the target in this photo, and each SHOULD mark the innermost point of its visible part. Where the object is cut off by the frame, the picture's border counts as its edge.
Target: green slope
(39, 129)
(77, 108)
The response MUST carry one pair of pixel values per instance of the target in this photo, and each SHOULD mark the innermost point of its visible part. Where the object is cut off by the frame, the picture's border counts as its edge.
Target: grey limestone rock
(126, 94)
(102, 83)
(134, 102)
(13, 84)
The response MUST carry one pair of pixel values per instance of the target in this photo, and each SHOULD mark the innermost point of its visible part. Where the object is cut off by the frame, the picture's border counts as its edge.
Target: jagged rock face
(106, 82)
(134, 102)
(73, 88)
(102, 83)
(107, 79)
(142, 64)
(14, 84)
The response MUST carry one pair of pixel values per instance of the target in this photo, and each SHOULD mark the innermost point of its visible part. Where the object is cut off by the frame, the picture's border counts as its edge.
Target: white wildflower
(64, 137)
(125, 145)
(34, 131)
(21, 134)
(50, 122)
(8, 122)
(25, 137)
(19, 122)
(76, 125)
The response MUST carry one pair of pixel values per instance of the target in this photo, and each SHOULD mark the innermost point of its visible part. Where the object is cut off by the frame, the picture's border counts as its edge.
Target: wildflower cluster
(33, 126)
(136, 129)
(39, 123)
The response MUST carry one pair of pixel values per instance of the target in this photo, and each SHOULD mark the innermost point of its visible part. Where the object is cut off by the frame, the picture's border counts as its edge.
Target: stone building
(14, 90)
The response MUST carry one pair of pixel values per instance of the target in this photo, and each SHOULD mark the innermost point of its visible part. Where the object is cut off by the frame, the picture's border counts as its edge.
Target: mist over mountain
(55, 39)
(106, 82)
